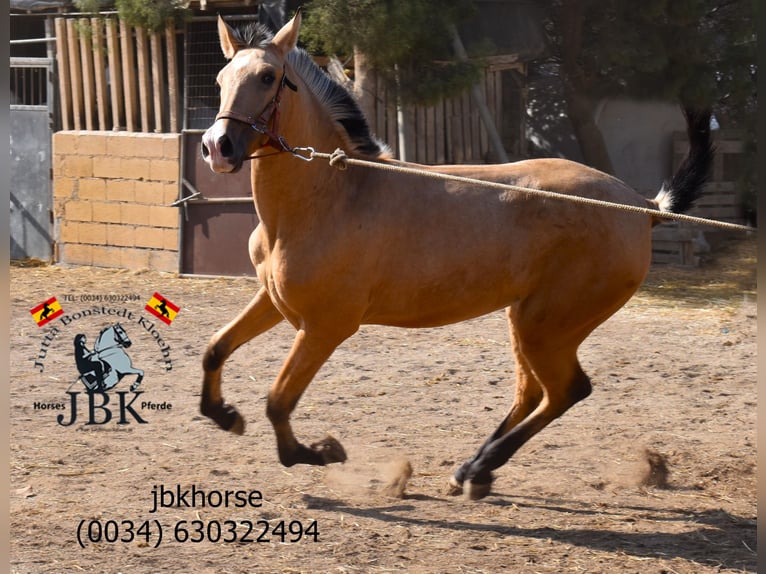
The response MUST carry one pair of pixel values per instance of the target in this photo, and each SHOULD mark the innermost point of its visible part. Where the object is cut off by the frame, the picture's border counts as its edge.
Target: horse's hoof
(476, 491)
(330, 449)
(226, 417)
(454, 487)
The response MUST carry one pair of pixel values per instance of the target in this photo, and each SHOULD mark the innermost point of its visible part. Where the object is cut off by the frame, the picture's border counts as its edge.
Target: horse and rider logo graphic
(105, 366)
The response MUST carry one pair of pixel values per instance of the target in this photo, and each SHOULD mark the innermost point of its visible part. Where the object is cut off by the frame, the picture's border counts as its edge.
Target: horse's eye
(268, 78)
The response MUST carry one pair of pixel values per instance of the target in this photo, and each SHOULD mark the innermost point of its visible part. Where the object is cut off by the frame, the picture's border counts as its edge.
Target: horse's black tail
(685, 187)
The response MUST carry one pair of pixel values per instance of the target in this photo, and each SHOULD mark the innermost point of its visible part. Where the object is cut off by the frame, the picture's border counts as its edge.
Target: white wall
(638, 135)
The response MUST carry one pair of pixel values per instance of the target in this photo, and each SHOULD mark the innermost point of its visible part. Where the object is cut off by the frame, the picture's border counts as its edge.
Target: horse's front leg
(259, 316)
(309, 352)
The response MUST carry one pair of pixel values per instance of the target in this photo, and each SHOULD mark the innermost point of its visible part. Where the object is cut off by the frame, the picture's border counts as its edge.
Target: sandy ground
(674, 374)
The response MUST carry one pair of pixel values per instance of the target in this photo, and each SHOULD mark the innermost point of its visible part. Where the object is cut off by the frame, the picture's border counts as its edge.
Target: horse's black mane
(341, 105)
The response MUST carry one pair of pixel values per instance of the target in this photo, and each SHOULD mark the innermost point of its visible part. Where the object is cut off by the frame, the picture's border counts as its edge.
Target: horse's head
(121, 337)
(112, 335)
(251, 85)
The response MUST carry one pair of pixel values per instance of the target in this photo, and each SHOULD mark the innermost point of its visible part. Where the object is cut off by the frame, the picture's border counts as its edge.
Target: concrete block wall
(111, 192)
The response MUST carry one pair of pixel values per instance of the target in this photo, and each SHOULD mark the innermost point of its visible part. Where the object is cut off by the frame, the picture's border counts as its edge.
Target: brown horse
(337, 249)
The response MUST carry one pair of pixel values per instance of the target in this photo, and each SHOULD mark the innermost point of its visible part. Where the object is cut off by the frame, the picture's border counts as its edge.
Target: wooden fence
(113, 76)
(450, 131)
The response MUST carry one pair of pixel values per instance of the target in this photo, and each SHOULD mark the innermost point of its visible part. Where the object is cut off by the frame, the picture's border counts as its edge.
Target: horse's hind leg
(259, 316)
(549, 381)
(563, 382)
(528, 395)
(139, 378)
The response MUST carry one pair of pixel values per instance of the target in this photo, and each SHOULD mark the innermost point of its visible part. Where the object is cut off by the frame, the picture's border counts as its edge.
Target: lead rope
(341, 161)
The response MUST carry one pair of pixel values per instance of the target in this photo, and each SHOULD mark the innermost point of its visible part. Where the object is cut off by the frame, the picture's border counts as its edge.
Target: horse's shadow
(735, 536)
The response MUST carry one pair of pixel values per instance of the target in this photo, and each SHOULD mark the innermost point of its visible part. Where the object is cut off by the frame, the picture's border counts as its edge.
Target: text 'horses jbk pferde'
(337, 249)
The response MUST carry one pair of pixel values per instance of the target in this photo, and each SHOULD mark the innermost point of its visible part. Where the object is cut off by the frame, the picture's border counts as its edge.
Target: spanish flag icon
(162, 308)
(46, 311)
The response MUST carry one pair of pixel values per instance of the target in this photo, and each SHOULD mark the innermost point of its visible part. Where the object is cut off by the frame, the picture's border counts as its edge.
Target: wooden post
(129, 79)
(439, 133)
(465, 117)
(421, 141)
(455, 131)
(75, 74)
(407, 141)
(170, 42)
(481, 104)
(97, 26)
(481, 130)
(142, 49)
(115, 74)
(86, 61)
(158, 81)
(65, 85)
(431, 143)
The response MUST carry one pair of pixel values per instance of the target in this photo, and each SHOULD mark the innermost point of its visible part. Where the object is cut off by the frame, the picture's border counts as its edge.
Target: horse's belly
(438, 304)
(427, 317)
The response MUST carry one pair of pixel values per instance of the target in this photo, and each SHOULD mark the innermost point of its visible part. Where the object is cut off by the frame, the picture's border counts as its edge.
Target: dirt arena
(674, 377)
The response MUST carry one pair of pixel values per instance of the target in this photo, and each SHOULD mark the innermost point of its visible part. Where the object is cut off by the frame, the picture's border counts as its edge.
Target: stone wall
(111, 197)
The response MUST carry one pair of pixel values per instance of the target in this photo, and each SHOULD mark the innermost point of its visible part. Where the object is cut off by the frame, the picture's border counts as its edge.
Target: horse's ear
(229, 43)
(287, 38)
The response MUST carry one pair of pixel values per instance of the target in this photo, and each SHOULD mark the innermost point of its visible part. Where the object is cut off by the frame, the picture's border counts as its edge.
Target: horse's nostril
(205, 151)
(225, 146)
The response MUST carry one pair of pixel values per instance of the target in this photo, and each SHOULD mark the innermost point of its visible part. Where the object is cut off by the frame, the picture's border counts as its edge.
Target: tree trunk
(580, 108)
(589, 136)
(365, 86)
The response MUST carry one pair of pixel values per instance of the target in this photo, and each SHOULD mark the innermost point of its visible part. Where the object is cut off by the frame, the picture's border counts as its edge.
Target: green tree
(698, 52)
(407, 43)
(148, 14)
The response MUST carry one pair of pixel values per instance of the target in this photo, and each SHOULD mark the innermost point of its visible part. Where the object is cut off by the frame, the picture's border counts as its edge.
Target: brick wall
(111, 192)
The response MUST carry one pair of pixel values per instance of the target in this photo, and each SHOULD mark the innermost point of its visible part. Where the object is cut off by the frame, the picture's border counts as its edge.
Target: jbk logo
(97, 365)
(98, 413)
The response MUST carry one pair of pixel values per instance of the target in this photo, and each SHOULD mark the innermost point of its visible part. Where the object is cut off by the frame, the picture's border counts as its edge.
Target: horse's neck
(287, 189)
(100, 341)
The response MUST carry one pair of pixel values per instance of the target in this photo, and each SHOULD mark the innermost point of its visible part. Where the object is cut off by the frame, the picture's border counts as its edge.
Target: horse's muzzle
(219, 151)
